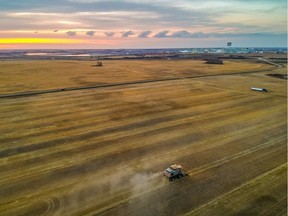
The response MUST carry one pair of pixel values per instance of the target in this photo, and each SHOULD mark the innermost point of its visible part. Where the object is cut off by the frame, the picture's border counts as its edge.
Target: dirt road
(99, 151)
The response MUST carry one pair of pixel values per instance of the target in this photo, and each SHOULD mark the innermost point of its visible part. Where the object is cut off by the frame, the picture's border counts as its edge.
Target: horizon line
(212, 47)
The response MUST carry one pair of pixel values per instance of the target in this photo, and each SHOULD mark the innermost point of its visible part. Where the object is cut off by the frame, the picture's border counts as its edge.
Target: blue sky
(142, 23)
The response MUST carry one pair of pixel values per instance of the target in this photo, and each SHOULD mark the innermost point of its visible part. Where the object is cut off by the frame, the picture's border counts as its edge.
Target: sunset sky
(97, 24)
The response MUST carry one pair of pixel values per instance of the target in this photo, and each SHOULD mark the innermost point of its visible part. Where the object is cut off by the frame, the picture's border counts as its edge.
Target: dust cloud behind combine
(122, 183)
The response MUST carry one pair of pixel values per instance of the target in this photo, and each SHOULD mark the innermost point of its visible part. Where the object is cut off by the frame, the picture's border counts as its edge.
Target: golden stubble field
(29, 75)
(100, 151)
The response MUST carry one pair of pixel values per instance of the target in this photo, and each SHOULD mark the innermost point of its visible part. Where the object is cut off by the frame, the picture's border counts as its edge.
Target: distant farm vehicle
(259, 89)
(174, 172)
(99, 64)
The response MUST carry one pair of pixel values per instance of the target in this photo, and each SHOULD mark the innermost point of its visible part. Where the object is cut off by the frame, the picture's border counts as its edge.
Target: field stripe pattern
(100, 151)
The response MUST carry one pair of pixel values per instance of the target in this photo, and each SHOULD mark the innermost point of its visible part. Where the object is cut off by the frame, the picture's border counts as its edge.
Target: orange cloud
(39, 41)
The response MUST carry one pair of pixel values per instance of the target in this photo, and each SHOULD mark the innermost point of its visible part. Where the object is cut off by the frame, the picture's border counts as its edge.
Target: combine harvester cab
(174, 172)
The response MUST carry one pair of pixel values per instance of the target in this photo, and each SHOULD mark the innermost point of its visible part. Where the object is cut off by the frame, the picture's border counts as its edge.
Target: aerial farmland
(76, 139)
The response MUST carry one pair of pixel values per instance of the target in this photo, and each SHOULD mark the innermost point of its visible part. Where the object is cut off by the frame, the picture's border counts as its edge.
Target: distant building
(229, 44)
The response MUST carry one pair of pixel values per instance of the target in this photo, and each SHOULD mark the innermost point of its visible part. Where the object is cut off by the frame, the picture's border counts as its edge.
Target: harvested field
(100, 151)
(29, 75)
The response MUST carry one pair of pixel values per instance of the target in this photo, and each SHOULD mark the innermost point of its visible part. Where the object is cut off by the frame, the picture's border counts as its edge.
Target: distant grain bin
(259, 89)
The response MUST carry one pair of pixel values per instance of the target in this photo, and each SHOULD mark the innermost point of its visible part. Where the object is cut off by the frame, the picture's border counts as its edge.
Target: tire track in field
(112, 205)
(79, 100)
(241, 154)
(251, 183)
(140, 120)
(145, 131)
(114, 107)
(102, 113)
(75, 99)
(82, 164)
(55, 205)
(110, 209)
(91, 110)
(52, 143)
(32, 126)
(236, 157)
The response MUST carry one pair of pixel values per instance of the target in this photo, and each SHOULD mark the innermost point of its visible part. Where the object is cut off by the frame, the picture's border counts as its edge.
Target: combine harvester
(174, 172)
